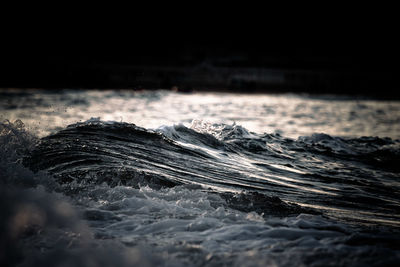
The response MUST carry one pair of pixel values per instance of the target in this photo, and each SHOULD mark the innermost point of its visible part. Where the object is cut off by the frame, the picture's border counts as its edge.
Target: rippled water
(291, 115)
(169, 179)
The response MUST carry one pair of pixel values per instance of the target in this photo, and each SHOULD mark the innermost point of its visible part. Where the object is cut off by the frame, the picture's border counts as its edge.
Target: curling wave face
(100, 193)
(340, 177)
(211, 195)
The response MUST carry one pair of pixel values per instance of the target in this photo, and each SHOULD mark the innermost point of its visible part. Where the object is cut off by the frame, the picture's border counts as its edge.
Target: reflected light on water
(289, 115)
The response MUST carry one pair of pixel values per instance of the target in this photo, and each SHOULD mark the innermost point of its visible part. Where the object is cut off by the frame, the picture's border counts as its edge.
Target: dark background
(339, 53)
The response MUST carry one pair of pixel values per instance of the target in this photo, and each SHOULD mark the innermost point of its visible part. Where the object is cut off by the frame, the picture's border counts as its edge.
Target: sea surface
(162, 178)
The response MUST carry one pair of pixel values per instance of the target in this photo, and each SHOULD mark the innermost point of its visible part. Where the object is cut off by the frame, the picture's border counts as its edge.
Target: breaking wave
(208, 194)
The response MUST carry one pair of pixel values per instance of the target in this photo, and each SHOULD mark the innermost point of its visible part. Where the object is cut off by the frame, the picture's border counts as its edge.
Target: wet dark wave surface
(208, 189)
(352, 179)
(114, 194)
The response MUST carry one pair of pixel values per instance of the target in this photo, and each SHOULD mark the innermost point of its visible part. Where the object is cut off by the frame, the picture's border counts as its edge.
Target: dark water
(346, 175)
(99, 193)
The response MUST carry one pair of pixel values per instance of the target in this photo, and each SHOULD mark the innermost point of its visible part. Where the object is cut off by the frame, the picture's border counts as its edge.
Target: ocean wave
(118, 194)
(231, 160)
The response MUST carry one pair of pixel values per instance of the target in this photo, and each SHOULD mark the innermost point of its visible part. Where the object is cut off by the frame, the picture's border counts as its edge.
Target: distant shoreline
(205, 77)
